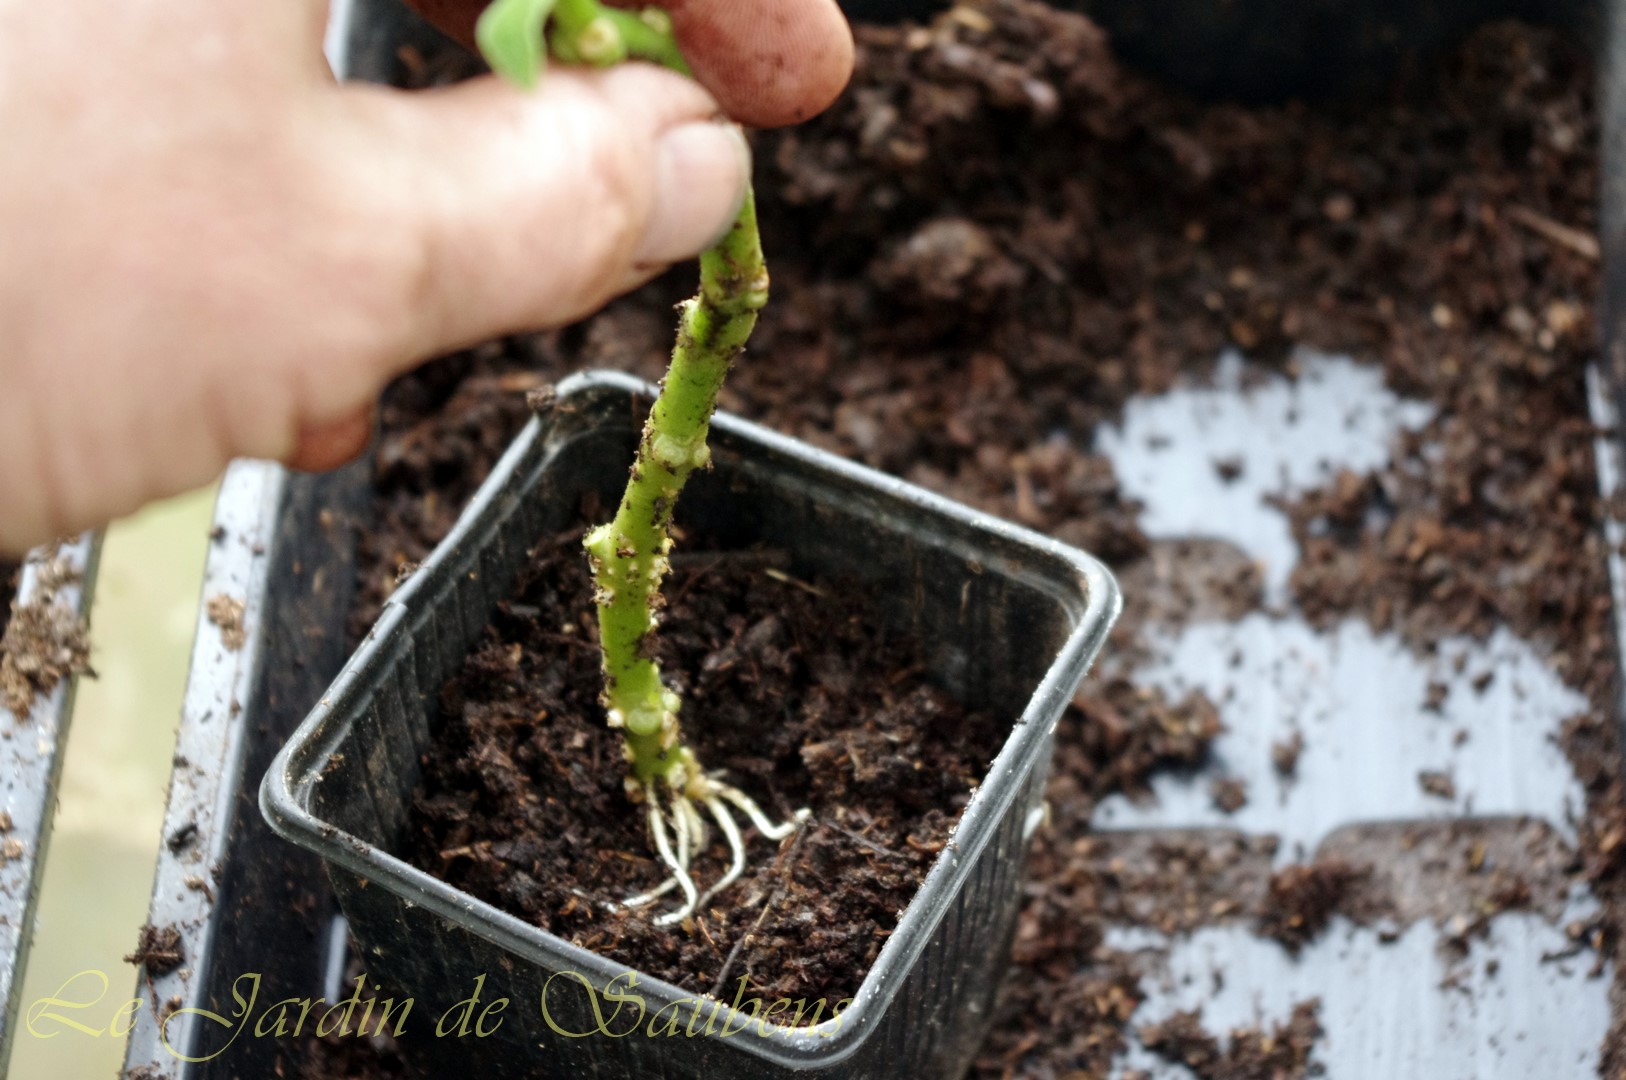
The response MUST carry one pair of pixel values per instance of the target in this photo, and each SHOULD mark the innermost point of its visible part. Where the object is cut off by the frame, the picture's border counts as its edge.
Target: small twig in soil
(1583, 244)
(781, 576)
(866, 843)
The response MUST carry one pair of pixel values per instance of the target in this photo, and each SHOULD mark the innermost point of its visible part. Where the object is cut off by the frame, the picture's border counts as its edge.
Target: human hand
(768, 63)
(214, 251)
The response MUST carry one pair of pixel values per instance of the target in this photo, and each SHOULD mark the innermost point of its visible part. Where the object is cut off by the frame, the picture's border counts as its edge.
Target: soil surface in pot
(996, 238)
(790, 687)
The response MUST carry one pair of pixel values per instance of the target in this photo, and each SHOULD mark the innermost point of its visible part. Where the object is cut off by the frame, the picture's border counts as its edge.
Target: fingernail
(701, 172)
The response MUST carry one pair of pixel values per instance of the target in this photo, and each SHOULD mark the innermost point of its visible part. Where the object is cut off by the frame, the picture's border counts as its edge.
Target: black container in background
(244, 903)
(1263, 51)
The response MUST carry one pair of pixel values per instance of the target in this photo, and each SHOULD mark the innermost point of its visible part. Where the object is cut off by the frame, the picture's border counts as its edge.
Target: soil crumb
(523, 801)
(1438, 784)
(1303, 899)
(45, 642)
(159, 950)
(1229, 794)
(1285, 754)
(226, 612)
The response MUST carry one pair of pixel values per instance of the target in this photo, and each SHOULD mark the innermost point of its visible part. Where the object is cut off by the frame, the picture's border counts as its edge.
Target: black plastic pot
(30, 767)
(1010, 617)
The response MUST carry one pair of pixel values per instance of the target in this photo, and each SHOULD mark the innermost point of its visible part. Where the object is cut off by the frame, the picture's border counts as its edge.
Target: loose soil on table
(993, 240)
(1250, 1054)
(788, 685)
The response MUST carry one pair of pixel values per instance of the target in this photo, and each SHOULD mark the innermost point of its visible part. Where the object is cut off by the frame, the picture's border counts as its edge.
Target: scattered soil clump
(226, 612)
(1303, 899)
(159, 950)
(1131, 733)
(1252, 1054)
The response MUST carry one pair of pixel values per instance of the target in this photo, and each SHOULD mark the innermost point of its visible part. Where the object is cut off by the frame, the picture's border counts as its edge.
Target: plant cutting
(630, 555)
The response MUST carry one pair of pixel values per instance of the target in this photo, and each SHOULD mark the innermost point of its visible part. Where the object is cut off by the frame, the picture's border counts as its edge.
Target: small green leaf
(510, 37)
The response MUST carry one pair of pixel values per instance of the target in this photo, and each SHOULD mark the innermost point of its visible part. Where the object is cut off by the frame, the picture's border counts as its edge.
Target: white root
(693, 823)
(736, 847)
(663, 847)
(686, 845)
(644, 899)
(758, 818)
(685, 820)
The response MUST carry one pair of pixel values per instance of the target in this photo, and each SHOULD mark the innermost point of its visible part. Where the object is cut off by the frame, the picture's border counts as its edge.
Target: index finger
(768, 62)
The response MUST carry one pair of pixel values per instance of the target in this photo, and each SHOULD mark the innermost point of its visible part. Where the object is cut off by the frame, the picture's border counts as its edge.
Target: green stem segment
(629, 555)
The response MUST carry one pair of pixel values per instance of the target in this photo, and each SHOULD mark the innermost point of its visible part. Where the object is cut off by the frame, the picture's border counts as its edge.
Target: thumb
(526, 210)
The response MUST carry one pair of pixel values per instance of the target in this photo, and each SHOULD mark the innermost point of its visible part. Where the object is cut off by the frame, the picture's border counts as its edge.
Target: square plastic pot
(1011, 619)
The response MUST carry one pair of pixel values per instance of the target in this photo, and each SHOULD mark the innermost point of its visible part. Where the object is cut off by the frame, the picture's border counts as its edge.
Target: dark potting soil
(442, 430)
(993, 240)
(351, 1059)
(790, 686)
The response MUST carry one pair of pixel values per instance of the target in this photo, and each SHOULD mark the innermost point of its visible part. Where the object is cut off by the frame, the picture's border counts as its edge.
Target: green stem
(629, 555)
